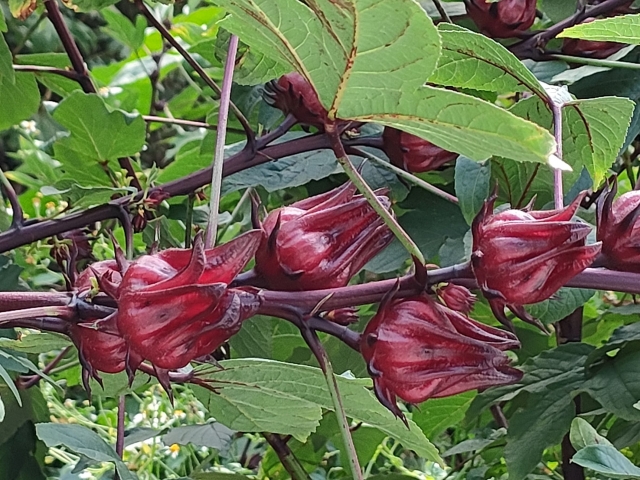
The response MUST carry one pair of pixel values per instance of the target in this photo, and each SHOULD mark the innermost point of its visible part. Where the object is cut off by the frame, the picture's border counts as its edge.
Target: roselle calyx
(522, 257)
(456, 297)
(503, 19)
(322, 241)
(294, 95)
(413, 153)
(618, 228)
(174, 306)
(416, 349)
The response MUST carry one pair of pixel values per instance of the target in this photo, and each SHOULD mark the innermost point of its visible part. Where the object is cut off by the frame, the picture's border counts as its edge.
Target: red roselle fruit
(456, 297)
(502, 19)
(417, 349)
(174, 306)
(619, 229)
(294, 95)
(413, 153)
(99, 351)
(521, 257)
(321, 242)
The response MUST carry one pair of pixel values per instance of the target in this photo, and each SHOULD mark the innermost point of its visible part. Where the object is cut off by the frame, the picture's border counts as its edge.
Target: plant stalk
(595, 62)
(218, 158)
(289, 461)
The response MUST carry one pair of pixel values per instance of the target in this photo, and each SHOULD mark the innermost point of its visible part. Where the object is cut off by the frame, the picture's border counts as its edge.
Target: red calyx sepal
(503, 19)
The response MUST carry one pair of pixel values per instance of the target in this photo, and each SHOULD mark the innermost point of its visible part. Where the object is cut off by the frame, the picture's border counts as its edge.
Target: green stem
(596, 62)
(289, 461)
(365, 190)
(408, 176)
(320, 353)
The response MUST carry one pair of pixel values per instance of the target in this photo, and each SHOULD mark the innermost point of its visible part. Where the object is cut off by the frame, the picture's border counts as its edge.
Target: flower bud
(619, 229)
(413, 153)
(457, 297)
(503, 19)
(174, 306)
(294, 95)
(321, 242)
(415, 351)
(522, 257)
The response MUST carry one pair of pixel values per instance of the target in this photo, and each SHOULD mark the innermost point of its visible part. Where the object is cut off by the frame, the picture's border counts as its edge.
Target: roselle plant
(260, 239)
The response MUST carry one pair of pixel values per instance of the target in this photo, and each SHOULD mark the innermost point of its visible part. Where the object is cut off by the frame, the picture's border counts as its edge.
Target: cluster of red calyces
(173, 307)
(619, 229)
(416, 349)
(503, 19)
(521, 257)
(413, 153)
(321, 242)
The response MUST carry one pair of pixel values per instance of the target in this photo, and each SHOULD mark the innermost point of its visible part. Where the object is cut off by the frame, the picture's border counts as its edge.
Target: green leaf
(6, 61)
(377, 73)
(19, 99)
(606, 460)
(557, 10)
(621, 29)
(212, 435)
(57, 83)
(88, 5)
(3, 22)
(2, 411)
(438, 414)
(36, 343)
(474, 61)
(9, 382)
(615, 383)
(473, 185)
(22, 9)
(79, 196)
(261, 395)
(476, 444)
(97, 137)
(582, 434)
(563, 302)
(83, 441)
(123, 30)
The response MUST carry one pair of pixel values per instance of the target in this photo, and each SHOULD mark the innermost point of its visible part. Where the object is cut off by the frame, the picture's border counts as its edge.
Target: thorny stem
(17, 218)
(365, 190)
(320, 353)
(218, 158)
(251, 136)
(288, 460)
(406, 175)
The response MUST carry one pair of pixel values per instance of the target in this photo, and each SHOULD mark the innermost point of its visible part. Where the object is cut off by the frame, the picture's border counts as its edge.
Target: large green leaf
(437, 414)
(97, 137)
(563, 302)
(260, 395)
(19, 98)
(83, 441)
(471, 60)
(36, 343)
(622, 29)
(368, 61)
(607, 461)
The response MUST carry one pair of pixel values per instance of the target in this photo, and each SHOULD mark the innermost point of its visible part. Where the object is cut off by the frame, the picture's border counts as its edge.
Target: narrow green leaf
(83, 441)
(19, 99)
(12, 386)
(622, 29)
(607, 461)
(471, 60)
(473, 185)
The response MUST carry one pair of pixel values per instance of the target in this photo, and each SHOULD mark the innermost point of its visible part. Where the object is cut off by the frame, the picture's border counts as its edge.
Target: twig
(533, 47)
(406, 175)
(186, 123)
(38, 69)
(120, 429)
(288, 460)
(556, 110)
(218, 157)
(37, 312)
(441, 10)
(596, 62)
(17, 218)
(26, 382)
(251, 136)
(365, 190)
